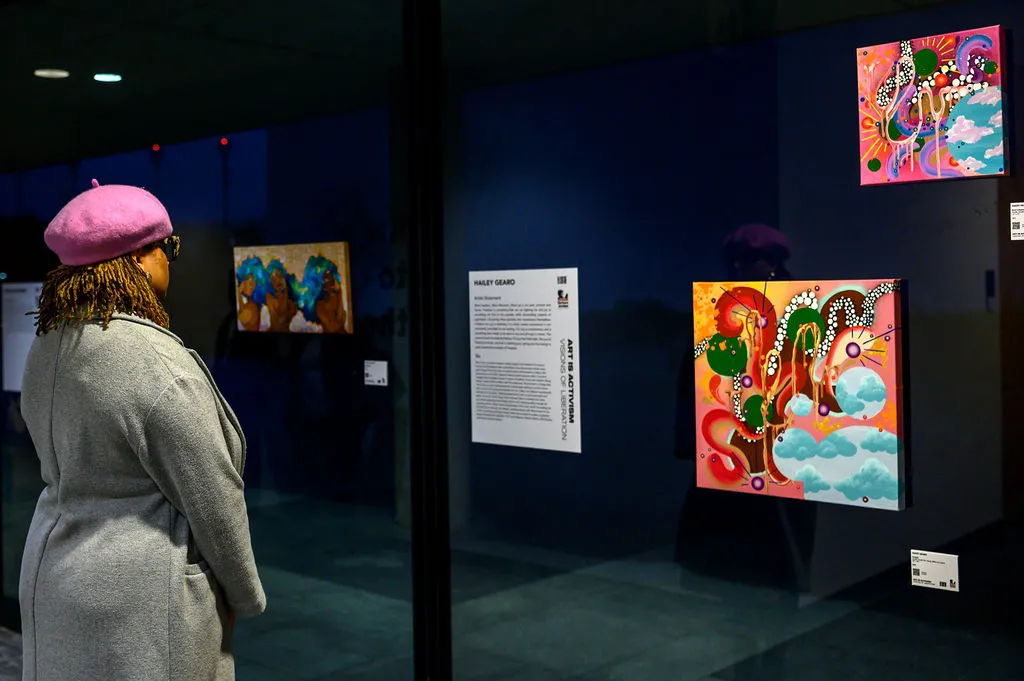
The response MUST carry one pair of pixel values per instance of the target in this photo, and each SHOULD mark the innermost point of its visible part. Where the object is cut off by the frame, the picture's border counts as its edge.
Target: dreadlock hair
(89, 293)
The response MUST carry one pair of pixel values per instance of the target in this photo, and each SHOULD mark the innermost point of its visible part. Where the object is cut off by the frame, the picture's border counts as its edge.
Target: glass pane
(727, 517)
(266, 133)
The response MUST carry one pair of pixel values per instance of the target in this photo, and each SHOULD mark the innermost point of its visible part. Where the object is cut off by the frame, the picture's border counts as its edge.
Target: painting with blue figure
(254, 279)
(298, 288)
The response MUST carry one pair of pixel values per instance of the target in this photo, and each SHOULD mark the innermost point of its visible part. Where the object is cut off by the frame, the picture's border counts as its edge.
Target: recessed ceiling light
(107, 78)
(51, 73)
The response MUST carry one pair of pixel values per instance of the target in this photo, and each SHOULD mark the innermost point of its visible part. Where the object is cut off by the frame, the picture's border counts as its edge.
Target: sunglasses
(171, 246)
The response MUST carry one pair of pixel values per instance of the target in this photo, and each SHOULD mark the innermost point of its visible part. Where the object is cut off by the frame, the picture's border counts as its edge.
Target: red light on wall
(156, 147)
(223, 141)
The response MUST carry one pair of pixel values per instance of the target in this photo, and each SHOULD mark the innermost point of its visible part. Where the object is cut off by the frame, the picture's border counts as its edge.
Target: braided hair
(82, 294)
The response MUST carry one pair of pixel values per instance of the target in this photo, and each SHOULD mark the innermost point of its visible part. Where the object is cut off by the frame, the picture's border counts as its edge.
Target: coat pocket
(200, 568)
(203, 644)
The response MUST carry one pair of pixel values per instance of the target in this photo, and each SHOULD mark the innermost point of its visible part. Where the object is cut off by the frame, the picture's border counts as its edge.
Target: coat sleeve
(183, 449)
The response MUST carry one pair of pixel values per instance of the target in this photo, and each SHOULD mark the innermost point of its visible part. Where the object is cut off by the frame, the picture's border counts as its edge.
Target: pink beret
(106, 222)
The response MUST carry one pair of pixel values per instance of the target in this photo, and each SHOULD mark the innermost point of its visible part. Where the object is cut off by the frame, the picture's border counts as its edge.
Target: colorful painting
(302, 288)
(799, 390)
(932, 108)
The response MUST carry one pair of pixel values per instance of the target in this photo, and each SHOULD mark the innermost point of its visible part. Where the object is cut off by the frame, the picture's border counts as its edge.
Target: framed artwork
(300, 288)
(799, 388)
(932, 108)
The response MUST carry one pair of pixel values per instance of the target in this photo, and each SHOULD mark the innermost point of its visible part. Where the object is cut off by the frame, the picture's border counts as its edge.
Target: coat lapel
(237, 453)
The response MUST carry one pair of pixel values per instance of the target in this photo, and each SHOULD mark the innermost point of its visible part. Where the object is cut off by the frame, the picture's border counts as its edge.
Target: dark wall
(943, 237)
(635, 174)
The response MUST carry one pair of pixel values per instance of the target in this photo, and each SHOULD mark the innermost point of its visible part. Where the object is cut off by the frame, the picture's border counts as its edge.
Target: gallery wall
(635, 174)
(940, 236)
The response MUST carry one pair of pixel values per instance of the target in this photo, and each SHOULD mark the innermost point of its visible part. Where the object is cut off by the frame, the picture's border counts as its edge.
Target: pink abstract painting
(932, 108)
(799, 390)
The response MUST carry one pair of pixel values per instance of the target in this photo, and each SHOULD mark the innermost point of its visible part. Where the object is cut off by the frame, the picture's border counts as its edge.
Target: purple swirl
(980, 43)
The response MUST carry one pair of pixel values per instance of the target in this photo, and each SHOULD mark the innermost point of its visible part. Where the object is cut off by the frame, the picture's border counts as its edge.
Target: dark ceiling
(195, 68)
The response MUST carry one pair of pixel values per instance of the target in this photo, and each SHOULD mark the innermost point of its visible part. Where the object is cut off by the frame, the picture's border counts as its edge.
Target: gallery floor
(338, 584)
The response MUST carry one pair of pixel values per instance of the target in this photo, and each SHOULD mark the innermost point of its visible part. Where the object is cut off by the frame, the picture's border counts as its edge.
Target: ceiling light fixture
(51, 73)
(107, 78)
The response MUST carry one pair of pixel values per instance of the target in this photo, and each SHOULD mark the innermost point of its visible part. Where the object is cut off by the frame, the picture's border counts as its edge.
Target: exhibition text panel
(524, 337)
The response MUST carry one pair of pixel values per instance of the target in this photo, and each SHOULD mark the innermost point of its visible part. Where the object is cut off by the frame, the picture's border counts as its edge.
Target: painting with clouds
(799, 390)
(932, 108)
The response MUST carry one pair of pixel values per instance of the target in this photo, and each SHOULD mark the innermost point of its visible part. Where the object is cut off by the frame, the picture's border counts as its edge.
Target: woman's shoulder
(146, 347)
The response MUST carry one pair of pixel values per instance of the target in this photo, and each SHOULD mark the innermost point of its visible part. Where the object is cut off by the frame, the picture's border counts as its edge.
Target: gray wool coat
(140, 539)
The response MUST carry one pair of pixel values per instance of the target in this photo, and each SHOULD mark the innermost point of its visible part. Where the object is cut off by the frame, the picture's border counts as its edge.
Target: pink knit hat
(758, 237)
(106, 222)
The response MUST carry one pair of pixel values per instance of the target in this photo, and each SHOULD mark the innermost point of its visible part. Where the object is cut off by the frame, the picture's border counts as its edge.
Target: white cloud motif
(971, 164)
(989, 96)
(966, 130)
(997, 119)
(812, 479)
(994, 151)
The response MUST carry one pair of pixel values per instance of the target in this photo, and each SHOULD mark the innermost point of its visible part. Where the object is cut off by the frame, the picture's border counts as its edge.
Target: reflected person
(139, 553)
(776, 534)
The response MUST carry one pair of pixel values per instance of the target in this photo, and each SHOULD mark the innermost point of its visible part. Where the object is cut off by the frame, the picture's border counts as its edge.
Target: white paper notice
(935, 570)
(375, 373)
(525, 375)
(18, 301)
(1017, 222)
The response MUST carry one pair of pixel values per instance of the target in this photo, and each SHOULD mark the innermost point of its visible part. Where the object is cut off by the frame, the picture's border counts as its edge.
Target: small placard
(1017, 222)
(375, 373)
(935, 570)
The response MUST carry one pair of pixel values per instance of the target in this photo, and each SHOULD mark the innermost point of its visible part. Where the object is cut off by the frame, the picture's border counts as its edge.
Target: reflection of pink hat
(758, 238)
(106, 222)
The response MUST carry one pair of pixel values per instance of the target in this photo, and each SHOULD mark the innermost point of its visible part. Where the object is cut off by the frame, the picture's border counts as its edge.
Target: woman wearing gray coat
(139, 554)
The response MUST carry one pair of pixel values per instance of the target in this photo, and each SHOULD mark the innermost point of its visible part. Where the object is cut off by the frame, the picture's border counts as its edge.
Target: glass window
(267, 133)
(713, 525)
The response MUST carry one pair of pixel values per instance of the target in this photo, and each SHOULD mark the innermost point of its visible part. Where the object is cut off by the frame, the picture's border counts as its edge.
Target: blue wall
(635, 174)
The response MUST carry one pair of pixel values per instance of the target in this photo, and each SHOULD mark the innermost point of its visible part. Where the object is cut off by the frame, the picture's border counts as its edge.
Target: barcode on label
(565, 280)
(1015, 225)
(917, 572)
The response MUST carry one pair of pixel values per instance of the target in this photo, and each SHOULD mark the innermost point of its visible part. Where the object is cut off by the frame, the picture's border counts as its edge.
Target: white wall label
(19, 330)
(375, 373)
(935, 570)
(1017, 222)
(524, 330)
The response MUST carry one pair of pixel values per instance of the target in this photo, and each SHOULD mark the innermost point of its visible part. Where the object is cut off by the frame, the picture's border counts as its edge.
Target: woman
(249, 277)
(779, 540)
(280, 305)
(330, 307)
(138, 555)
